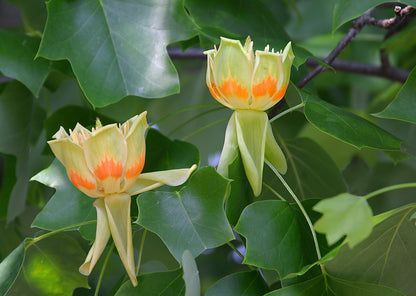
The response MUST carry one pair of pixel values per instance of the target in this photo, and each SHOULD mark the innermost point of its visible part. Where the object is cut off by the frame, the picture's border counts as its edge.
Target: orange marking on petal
(78, 181)
(107, 168)
(136, 168)
(267, 86)
(231, 87)
(214, 91)
(280, 93)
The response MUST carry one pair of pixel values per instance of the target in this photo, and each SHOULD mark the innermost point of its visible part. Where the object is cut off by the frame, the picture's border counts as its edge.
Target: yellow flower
(249, 83)
(106, 163)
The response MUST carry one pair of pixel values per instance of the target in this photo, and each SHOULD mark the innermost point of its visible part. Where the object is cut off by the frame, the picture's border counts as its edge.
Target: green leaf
(190, 219)
(165, 154)
(190, 275)
(51, 268)
(346, 10)
(249, 283)
(347, 126)
(68, 206)
(404, 103)
(344, 214)
(334, 287)
(20, 122)
(127, 54)
(311, 171)
(17, 60)
(10, 268)
(241, 194)
(159, 283)
(278, 236)
(33, 15)
(386, 257)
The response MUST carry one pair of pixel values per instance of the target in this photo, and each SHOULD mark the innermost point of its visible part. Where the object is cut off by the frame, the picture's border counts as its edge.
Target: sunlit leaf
(344, 214)
(191, 219)
(10, 268)
(68, 206)
(335, 287)
(386, 257)
(347, 126)
(278, 236)
(127, 54)
(159, 283)
(17, 60)
(190, 274)
(51, 268)
(404, 104)
(249, 283)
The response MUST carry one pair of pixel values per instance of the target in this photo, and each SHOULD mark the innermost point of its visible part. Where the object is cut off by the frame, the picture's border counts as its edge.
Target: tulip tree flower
(106, 164)
(249, 83)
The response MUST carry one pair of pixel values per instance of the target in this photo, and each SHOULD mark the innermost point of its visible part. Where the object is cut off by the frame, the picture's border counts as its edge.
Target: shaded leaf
(278, 236)
(68, 206)
(10, 268)
(159, 283)
(386, 257)
(190, 275)
(311, 171)
(17, 60)
(249, 283)
(334, 287)
(347, 126)
(346, 10)
(127, 54)
(51, 268)
(402, 107)
(190, 219)
(344, 214)
(20, 122)
(33, 13)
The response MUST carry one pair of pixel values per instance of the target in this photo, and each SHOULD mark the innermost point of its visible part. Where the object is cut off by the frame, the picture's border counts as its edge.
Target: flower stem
(308, 220)
(41, 237)
(141, 251)
(100, 279)
(287, 111)
(389, 188)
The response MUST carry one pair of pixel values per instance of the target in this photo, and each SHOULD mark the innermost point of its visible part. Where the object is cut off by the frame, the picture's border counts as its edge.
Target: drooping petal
(232, 73)
(102, 236)
(267, 79)
(118, 213)
(229, 150)
(106, 153)
(136, 148)
(251, 127)
(149, 181)
(72, 156)
(273, 153)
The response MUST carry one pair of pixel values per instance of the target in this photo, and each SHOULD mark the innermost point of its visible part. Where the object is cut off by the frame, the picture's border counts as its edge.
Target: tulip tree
(186, 147)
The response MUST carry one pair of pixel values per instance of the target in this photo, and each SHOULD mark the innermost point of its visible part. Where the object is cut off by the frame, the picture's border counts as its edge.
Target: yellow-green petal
(101, 238)
(136, 148)
(149, 181)
(71, 155)
(287, 57)
(229, 150)
(232, 73)
(117, 207)
(106, 154)
(273, 153)
(251, 127)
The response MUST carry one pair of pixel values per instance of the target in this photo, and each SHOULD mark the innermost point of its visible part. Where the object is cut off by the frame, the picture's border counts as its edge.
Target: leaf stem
(240, 255)
(203, 128)
(100, 279)
(274, 191)
(141, 251)
(287, 111)
(41, 237)
(182, 110)
(389, 188)
(308, 220)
